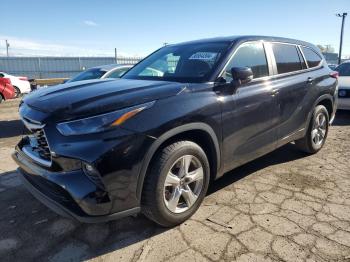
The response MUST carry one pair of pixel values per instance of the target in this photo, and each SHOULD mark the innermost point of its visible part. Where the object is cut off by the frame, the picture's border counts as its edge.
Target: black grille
(40, 144)
(344, 93)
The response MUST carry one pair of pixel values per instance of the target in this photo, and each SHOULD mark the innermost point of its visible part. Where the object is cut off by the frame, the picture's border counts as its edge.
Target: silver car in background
(100, 72)
(344, 86)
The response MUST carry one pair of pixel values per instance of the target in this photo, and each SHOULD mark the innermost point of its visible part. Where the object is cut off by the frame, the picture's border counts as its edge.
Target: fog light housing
(89, 168)
(92, 173)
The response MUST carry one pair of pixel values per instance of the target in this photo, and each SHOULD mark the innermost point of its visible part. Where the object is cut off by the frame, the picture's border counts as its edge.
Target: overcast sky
(135, 27)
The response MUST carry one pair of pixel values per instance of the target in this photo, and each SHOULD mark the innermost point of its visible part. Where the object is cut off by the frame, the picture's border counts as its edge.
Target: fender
(173, 132)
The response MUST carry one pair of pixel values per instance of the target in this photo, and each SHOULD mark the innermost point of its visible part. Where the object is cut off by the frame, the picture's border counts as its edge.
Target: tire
(17, 92)
(1, 99)
(315, 136)
(160, 188)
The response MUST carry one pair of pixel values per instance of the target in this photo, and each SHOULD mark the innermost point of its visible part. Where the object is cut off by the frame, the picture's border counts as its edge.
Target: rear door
(291, 85)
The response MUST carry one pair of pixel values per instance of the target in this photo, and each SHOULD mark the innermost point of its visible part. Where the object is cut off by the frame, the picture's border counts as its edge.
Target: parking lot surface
(285, 206)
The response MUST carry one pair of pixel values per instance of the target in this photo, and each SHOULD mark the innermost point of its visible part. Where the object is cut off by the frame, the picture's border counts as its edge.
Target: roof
(244, 38)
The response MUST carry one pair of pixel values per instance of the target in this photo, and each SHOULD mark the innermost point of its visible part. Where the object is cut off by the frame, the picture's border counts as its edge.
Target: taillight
(334, 74)
(24, 78)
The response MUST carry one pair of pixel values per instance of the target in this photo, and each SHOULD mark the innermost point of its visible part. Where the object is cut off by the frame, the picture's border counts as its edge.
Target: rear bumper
(8, 92)
(70, 194)
(344, 103)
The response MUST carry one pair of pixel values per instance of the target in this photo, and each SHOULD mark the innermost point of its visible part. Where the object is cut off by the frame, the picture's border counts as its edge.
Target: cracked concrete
(285, 206)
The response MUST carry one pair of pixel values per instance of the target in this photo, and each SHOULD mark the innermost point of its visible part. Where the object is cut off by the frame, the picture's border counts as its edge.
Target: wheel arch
(327, 101)
(19, 90)
(199, 133)
(328, 104)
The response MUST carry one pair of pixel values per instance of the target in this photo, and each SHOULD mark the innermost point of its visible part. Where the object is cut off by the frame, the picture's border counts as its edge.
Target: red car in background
(7, 91)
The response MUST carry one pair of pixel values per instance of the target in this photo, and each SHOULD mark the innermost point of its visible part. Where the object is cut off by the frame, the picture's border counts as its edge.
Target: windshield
(343, 69)
(181, 63)
(93, 73)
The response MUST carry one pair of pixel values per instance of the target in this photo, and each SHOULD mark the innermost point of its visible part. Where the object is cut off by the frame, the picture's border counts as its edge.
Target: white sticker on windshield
(203, 56)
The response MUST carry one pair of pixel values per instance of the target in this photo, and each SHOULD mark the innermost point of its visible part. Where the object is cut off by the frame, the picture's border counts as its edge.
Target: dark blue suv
(152, 141)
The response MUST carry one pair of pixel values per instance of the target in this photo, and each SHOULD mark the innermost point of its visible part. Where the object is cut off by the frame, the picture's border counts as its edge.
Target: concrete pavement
(285, 206)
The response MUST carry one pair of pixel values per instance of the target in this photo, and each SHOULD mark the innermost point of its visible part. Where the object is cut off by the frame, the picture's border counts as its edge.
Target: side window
(249, 55)
(118, 73)
(287, 58)
(312, 58)
(1, 75)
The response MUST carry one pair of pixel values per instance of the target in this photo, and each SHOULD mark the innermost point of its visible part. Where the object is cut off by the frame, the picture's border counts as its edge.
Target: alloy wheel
(183, 184)
(319, 129)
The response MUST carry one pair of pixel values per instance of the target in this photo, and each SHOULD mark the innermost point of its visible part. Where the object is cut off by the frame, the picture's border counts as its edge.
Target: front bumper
(54, 168)
(70, 194)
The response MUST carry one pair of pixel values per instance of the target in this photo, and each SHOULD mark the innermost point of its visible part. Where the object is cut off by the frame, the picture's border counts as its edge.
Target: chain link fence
(56, 67)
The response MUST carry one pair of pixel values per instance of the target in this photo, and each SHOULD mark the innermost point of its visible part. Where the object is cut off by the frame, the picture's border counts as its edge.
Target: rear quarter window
(312, 58)
(287, 58)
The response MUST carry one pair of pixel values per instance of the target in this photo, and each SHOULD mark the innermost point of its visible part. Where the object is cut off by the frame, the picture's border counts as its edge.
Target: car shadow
(283, 154)
(92, 240)
(342, 118)
(12, 128)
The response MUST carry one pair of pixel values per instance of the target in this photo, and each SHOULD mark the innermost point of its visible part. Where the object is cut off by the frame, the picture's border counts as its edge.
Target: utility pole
(343, 15)
(116, 55)
(7, 47)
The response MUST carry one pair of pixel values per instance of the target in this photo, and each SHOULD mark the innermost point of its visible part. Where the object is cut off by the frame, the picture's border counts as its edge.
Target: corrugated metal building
(56, 67)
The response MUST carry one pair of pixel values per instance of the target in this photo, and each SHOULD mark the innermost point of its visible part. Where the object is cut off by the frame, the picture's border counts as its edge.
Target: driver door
(250, 114)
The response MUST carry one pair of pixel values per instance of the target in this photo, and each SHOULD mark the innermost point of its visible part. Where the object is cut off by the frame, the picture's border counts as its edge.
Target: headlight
(102, 122)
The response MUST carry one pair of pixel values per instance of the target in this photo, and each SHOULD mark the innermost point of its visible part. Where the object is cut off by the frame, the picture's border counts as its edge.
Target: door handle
(274, 92)
(309, 80)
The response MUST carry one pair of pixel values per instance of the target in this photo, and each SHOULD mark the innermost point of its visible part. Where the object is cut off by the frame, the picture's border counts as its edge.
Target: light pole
(7, 47)
(343, 15)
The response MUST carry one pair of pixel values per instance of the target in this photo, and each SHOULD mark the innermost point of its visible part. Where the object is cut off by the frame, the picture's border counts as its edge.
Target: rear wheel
(176, 183)
(17, 91)
(317, 131)
(1, 98)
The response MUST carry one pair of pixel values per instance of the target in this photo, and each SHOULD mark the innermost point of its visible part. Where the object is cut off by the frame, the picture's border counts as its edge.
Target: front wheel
(317, 131)
(17, 92)
(176, 183)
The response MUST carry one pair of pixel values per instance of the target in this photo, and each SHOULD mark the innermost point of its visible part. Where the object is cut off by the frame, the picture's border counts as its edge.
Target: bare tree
(326, 48)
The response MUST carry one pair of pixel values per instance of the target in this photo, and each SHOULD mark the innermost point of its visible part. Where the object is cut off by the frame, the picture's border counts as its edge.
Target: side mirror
(241, 75)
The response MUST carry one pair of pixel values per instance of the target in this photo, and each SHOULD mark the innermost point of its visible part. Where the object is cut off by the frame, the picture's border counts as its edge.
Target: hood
(344, 82)
(85, 98)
